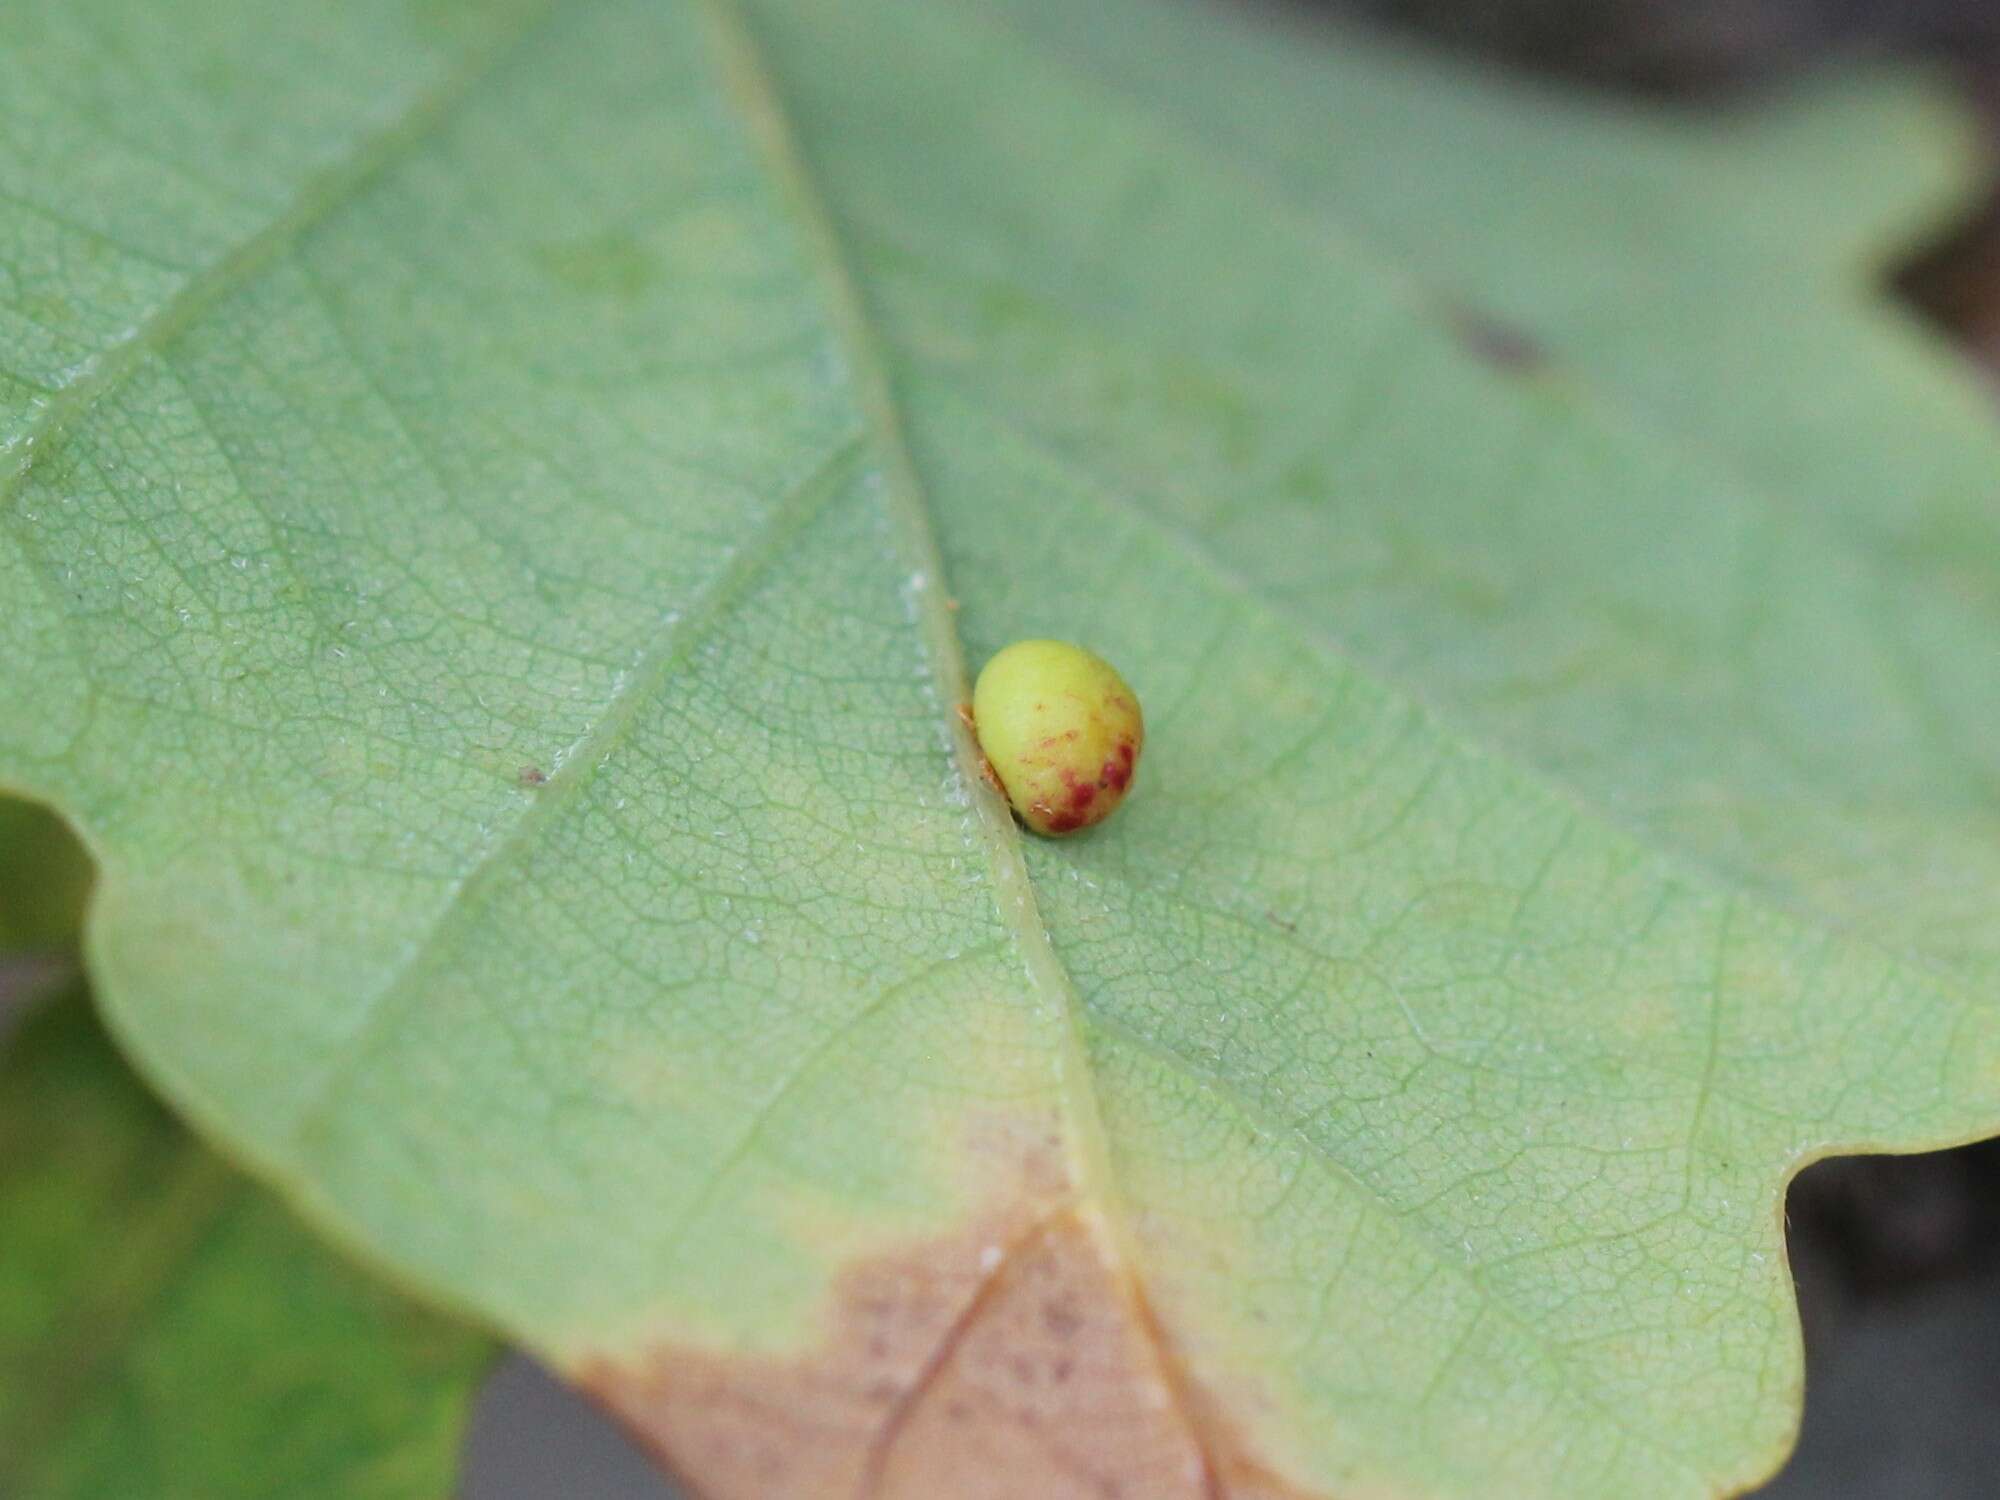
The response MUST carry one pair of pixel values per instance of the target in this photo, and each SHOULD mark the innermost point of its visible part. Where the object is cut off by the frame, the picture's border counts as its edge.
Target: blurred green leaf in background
(167, 1331)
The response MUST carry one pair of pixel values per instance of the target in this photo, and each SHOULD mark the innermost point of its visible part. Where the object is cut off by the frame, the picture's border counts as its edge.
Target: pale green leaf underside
(467, 551)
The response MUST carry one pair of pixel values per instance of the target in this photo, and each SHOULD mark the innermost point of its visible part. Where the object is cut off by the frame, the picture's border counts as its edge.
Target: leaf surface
(491, 485)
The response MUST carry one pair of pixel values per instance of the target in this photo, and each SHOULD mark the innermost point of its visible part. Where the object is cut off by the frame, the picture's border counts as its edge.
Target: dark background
(1682, 47)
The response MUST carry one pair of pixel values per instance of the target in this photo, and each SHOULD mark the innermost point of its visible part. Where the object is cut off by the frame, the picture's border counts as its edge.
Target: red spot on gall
(1117, 772)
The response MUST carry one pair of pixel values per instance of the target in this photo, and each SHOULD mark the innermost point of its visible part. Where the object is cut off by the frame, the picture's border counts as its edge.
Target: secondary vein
(318, 198)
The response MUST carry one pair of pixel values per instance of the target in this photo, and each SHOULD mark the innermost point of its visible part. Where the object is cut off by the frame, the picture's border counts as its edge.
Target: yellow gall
(1061, 732)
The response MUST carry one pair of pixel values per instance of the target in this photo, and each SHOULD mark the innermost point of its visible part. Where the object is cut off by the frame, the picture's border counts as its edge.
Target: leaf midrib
(1684, 865)
(1422, 294)
(1615, 412)
(323, 195)
(750, 87)
(752, 90)
(754, 93)
(1416, 1228)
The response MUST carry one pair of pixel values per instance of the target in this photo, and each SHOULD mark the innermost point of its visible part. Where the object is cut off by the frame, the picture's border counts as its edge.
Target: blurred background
(1674, 46)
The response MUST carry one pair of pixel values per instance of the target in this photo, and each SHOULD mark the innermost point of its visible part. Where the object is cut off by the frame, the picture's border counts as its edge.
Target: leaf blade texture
(491, 541)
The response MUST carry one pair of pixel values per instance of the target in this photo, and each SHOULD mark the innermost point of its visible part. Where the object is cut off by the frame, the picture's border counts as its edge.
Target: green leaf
(1777, 655)
(488, 487)
(167, 1331)
(136, 1268)
(44, 878)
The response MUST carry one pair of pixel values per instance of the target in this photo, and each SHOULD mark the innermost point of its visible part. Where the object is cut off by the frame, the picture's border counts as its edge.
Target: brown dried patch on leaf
(1018, 1361)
